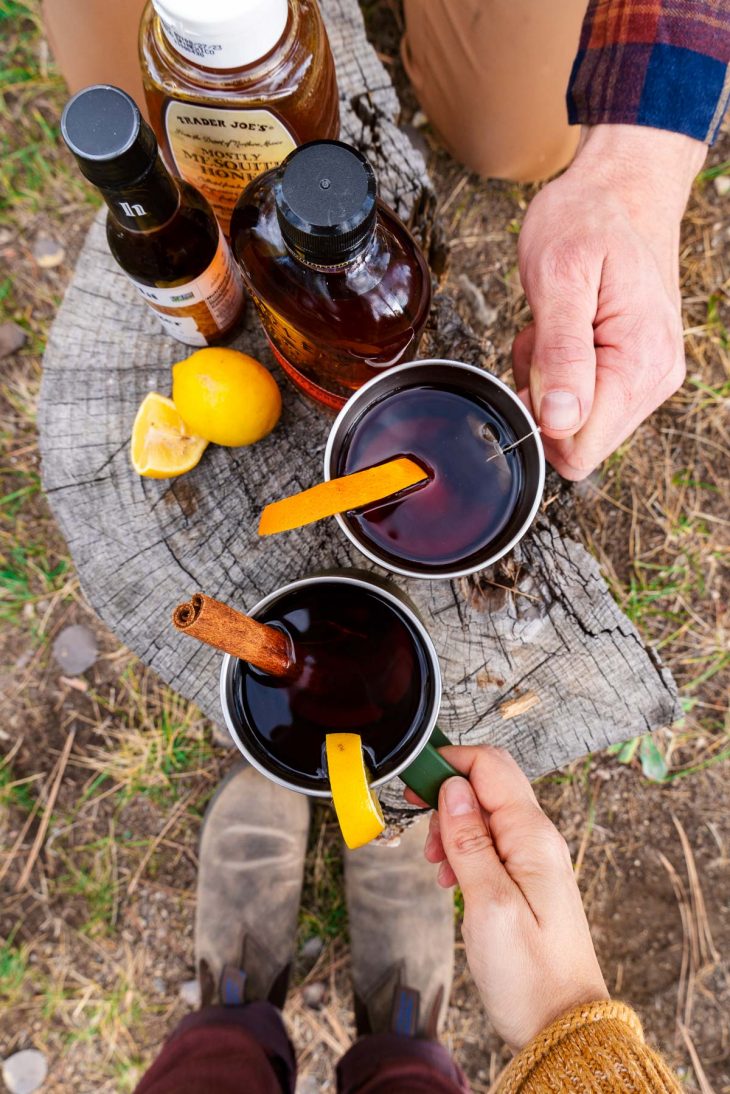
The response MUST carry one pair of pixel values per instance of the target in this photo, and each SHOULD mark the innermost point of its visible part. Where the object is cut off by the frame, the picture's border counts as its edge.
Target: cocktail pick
(501, 451)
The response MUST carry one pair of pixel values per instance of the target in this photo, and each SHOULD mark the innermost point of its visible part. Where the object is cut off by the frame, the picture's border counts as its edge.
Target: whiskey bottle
(341, 287)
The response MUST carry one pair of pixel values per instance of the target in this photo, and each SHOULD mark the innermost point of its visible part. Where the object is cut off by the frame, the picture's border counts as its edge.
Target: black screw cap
(325, 194)
(112, 143)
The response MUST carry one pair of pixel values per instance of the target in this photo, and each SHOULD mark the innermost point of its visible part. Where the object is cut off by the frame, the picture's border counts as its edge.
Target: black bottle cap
(113, 144)
(325, 195)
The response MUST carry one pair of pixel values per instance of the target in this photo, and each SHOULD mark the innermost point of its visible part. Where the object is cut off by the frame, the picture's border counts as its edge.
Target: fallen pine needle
(48, 813)
(697, 1067)
(169, 823)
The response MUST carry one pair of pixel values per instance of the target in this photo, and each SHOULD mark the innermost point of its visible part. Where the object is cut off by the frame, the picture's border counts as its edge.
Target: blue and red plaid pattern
(664, 63)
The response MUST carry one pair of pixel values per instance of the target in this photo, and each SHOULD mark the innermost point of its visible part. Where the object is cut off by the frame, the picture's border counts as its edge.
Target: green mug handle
(429, 769)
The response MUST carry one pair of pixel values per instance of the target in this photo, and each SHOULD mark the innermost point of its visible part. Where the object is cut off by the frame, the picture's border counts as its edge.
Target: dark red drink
(474, 487)
(362, 668)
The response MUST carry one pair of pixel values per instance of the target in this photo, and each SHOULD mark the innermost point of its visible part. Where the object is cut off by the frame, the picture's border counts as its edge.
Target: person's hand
(598, 257)
(527, 939)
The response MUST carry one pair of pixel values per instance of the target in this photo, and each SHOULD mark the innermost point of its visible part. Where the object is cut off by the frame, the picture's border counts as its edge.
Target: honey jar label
(197, 311)
(221, 150)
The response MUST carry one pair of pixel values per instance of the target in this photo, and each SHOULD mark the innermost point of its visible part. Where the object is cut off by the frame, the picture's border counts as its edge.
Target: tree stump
(536, 657)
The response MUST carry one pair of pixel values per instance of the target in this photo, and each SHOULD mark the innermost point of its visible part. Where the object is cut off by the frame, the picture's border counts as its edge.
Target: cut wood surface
(536, 656)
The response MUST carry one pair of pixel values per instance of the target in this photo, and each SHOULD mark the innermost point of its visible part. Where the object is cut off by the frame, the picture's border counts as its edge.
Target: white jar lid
(223, 33)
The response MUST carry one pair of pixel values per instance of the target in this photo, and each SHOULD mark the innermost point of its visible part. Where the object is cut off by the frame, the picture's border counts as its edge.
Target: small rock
(25, 1071)
(587, 488)
(419, 119)
(313, 994)
(75, 649)
(12, 338)
(159, 985)
(48, 252)
(312, 948)
(190, 993)
(76, 682)
(389, 838)
(722, 185)
(417, 139)
(483, 313)
(308, 1085)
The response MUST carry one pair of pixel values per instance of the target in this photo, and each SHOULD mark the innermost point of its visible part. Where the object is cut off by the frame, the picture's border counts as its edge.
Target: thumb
(563, 365)
(468, 844)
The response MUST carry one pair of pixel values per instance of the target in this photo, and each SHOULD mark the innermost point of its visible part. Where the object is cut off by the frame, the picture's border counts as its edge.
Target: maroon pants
(245, 1050)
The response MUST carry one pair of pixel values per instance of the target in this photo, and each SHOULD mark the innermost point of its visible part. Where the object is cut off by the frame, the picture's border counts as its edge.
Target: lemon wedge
(357, 808)
(161, 445)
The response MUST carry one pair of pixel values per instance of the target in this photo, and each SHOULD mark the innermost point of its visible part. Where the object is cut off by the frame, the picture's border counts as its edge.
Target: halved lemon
(161, 446)
(357, 808)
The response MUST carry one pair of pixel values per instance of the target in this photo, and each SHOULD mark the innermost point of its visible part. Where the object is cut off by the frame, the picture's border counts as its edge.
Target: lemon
(357, 808)
(161, 446)
(226, 396)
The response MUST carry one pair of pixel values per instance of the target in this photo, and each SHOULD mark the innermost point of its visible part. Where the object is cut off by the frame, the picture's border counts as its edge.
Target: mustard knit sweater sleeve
(597, 1048)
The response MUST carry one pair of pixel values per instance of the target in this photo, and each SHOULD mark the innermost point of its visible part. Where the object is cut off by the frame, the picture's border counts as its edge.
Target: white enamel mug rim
(362, 394)
(394, 598)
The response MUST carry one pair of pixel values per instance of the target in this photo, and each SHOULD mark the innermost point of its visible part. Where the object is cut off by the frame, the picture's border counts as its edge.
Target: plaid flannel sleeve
(663, 63)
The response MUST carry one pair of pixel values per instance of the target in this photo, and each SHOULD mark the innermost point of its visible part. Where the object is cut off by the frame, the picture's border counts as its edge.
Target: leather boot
(251, 865)
(401, 937)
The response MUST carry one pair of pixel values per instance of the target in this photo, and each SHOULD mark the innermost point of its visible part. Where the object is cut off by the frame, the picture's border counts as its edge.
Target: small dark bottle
(342, 289)
(161, 231)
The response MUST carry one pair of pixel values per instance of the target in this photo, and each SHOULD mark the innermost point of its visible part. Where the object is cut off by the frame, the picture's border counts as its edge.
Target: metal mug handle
(429, 769)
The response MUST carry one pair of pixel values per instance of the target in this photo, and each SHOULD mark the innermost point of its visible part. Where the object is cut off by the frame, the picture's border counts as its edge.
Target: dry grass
(105, 777)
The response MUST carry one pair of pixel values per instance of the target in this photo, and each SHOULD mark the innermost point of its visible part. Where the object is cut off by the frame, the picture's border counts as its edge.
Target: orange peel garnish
(353, 491)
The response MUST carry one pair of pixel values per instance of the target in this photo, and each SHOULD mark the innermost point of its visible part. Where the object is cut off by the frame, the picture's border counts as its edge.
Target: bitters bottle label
(220, 150)
(198, 310)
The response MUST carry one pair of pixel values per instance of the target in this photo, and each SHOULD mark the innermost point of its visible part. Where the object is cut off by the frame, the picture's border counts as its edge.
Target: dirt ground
(106, 774)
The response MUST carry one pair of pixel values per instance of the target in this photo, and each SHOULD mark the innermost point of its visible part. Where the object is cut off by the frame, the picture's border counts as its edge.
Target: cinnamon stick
(225, 629)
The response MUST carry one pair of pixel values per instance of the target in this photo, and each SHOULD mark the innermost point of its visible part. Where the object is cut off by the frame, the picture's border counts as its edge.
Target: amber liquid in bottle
(167, 260)
(161, 231)
(342, 289)
(220, 127)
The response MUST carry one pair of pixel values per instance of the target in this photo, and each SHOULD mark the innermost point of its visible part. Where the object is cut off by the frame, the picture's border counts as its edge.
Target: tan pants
(95, 42)
(491, 76)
